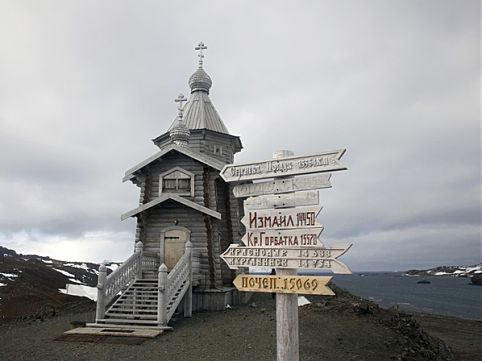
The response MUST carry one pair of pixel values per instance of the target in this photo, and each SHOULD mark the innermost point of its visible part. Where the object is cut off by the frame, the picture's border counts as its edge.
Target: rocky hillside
(32, 286)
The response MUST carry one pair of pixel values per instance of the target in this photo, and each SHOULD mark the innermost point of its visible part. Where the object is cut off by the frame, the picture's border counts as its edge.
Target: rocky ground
(340, 328)
(33, 314)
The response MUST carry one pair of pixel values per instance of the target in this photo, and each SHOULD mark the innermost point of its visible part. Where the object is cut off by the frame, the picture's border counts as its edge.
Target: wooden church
(186, 217)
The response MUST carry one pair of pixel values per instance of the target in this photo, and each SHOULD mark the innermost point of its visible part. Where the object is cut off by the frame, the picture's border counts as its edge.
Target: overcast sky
(85, 85)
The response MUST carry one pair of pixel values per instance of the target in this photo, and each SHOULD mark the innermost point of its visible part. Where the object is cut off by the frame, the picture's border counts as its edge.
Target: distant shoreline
(440, 295)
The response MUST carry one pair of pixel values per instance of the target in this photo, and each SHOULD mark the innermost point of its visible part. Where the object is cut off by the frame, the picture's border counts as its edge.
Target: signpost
(287, 257)
(282, 233)
(289, 218)
(289, 166)
(283, 185)
(283, 237)
(313, 285)
(307, 198)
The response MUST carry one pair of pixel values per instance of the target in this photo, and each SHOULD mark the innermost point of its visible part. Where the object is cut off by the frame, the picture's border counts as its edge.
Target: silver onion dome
(200, 81)
(180, 133)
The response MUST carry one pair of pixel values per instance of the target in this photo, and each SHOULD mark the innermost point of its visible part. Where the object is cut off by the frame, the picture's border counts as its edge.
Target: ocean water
(453, 296)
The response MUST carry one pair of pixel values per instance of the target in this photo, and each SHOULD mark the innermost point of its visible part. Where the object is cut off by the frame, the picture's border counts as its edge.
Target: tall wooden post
(188, 294)
(287, 335)
(162, 296)
(100, 310)
(285, 207)
(287, 329)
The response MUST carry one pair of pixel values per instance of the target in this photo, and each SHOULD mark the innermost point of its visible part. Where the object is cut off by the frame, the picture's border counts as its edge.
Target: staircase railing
(109, 286)
(175, 286)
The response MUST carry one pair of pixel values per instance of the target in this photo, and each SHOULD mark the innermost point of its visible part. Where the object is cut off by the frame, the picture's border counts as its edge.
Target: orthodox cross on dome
(179, 134)
(180, 99)
(200, 47)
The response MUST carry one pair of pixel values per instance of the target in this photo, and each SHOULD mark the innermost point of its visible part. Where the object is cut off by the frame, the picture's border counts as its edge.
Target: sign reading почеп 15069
(291, 166)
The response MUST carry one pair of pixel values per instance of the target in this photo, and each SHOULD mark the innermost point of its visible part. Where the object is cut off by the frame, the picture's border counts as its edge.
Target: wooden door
(174, 246)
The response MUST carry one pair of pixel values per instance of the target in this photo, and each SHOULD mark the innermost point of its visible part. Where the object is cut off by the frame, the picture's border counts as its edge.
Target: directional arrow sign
(313, 285)
(309, 198)
(290, 166)
(282, 238)
(290, 218)
(282, 185)
(288, 257)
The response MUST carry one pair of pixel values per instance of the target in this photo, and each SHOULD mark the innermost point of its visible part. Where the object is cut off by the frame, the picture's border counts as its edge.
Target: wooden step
(126, 321)
(129, 307)
(145, 294)
(132, 303)
(131, 310)
(143, 289)
(140, 327)
(130, 316)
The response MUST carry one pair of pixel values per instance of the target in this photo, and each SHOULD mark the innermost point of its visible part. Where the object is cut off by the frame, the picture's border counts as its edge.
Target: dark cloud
(86, 85)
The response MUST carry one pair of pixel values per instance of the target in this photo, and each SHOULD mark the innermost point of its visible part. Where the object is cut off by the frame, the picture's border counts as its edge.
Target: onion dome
(200, 81)
(180, 133)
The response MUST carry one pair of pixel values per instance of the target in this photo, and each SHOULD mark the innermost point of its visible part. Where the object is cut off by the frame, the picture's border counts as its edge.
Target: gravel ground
(329, 330)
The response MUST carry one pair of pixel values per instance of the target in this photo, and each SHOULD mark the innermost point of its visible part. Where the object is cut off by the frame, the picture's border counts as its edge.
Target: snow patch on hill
(80, 291)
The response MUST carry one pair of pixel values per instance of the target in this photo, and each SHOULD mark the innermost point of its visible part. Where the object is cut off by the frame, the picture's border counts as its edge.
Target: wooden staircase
(144, 301)
(137, 305)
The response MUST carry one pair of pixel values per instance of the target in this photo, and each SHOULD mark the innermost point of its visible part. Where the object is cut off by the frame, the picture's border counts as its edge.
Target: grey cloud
(86, 85)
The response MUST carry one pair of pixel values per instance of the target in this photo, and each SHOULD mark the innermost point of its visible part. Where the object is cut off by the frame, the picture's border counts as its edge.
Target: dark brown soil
(341, 328)
(463, 336)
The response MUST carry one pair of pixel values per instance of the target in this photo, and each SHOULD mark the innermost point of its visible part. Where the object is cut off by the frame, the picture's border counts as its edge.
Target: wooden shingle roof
(214, 163)
(175, 198)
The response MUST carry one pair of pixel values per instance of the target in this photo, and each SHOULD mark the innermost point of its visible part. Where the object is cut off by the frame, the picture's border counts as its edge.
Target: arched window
(178, 181)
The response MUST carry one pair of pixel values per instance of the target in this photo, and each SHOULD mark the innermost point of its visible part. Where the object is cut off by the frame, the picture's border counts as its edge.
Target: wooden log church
(186, 217)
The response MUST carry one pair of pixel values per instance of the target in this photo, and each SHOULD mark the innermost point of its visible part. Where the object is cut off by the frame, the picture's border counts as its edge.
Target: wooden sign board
(282, 185)
(291, 218)
(290, 166)
(283, 237)
(296, 199)
(308, 285)
(289, 257)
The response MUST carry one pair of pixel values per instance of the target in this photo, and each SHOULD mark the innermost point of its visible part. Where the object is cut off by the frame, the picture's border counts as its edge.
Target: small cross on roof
(200, 47)
(180, 99)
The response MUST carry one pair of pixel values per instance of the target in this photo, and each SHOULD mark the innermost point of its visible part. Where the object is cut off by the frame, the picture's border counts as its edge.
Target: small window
(177, 181)
(218, 149)
(169, 184)
(184, 184)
